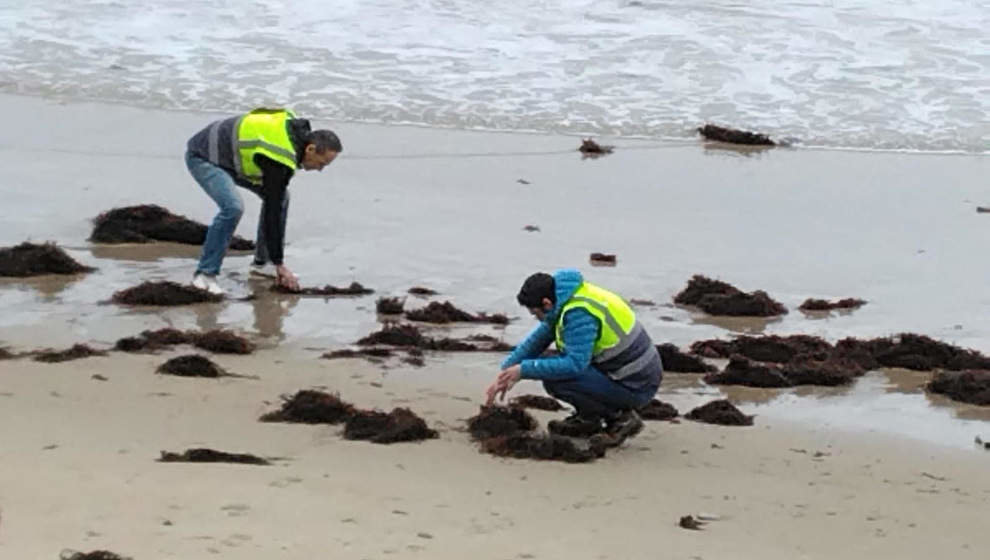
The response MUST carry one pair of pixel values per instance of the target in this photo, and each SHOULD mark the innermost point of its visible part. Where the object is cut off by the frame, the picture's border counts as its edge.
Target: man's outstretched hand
(502, 384)
(284, 277)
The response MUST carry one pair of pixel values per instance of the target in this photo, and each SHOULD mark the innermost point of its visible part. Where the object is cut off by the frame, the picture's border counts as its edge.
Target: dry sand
(79, 471)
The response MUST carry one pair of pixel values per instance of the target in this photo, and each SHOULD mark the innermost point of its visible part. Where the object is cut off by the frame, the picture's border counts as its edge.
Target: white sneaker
(208, 283)
(266, 270)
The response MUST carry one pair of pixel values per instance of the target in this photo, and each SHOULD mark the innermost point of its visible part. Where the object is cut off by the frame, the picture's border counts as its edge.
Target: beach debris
(911, 351)
(416, 361)
(720, 412)
(421, 291)
(602, 259)
(191, 365)
(531, 228)
(355, 289)
(643, 302)
(545, 447)
(538, 402)
(982, 209)
(700, 286)
(399, 425)
(164, 293)
(675, 360)
(408, 336)
(396, 335)
(720, 298)
(770, 348)
(590, 148)
(492, 421)
(756, 304)
(147, 223)
(506, 432)
(806, 369)
(442, 313)
(317, 407)
(969, 386)
(389, 305)
(689, 522)
(373, 352)
(37, 259)
(99, 377)
(6, 354)
(219, 341)
(982, 443)
(206, 455)
(311, 407)
(658, 410)
(734, 136)
(812, 304)
(76, 352)
(522, 181)
(94, 555)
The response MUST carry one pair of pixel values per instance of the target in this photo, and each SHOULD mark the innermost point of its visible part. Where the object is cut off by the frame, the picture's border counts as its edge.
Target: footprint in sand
(236, 510)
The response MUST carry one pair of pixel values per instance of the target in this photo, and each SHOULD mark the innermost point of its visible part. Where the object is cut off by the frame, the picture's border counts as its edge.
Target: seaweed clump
(33, 259)
(147, 223)
(675, 360)
(312, 407)
(164, 294)
(720, 412)
(734, 136)
(506, 432)
(969, 386)
(76, 352)
(206, 455)
(399, 425)
(719, 298)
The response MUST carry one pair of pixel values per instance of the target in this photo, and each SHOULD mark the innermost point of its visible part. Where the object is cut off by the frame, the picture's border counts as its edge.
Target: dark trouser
(593, 394)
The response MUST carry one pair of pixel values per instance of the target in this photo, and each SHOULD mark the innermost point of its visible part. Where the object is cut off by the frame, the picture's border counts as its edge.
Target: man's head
(322, 146)
(538, 295)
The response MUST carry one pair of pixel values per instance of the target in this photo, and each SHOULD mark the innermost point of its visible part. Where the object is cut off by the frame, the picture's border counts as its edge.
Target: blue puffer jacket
(580, 333)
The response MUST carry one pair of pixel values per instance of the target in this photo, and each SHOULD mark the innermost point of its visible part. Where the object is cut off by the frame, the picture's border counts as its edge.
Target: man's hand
(285, 277)
(503, 383)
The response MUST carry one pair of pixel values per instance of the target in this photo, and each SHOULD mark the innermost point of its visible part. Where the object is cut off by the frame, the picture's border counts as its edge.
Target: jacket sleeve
(535, 343)
(275, 180)
(580, 332)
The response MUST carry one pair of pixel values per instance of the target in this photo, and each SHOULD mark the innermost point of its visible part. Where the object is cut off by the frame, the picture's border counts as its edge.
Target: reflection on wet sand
(48, 287)
(146, 252)
(270, 310)
(724, 149)
(744, 325)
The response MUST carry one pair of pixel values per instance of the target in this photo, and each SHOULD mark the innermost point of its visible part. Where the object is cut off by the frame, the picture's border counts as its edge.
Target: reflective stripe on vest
(266, 132)
(619, 330)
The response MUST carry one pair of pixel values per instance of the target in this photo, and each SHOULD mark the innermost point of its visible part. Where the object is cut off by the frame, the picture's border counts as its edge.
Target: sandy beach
(879, 469)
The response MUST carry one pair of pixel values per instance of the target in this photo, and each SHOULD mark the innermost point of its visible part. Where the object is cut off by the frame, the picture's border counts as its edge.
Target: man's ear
(310, 149)
(547, 304)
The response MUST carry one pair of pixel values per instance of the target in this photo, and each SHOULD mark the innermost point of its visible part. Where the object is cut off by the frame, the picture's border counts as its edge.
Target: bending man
(607, 366)
(258, 151)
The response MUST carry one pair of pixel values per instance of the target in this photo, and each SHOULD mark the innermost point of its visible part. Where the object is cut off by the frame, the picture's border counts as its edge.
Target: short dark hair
(324, 140)
(537, 287)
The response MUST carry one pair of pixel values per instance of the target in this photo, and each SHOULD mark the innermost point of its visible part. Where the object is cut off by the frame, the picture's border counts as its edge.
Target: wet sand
(444, 209)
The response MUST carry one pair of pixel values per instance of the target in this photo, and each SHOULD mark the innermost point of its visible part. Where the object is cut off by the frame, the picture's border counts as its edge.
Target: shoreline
(661, 142)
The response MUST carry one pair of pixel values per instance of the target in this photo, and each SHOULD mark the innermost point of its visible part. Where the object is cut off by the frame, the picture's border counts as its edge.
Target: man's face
(541, 312)
(315, 161)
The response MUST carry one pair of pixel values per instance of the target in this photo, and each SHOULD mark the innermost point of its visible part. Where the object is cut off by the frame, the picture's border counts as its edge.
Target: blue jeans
(220, 186)
(594, 395)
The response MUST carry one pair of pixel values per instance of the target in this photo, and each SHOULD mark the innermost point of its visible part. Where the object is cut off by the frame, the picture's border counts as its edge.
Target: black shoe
(618, 429)
(575, 426)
